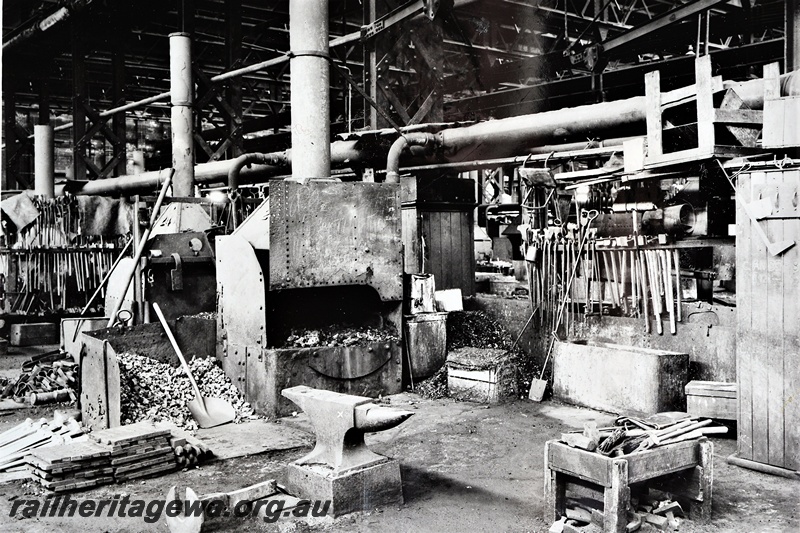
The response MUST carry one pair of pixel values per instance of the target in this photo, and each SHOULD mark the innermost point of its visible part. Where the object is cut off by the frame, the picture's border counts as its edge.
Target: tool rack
(567, 468)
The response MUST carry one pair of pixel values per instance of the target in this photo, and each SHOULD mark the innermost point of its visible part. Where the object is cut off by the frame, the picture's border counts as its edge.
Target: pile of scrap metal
(46, 378)
(632, 435)
(150, 390)
(652, 514)
(341, 336)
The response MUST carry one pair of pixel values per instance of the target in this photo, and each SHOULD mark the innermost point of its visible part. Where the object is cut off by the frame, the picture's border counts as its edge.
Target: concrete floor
(465, 467)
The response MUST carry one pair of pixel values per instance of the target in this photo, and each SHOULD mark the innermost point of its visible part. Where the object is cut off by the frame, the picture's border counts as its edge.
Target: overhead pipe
(403, 142)
(310, 88)
(343, 153)
(181, 116)
(495, 138)
(43, 160)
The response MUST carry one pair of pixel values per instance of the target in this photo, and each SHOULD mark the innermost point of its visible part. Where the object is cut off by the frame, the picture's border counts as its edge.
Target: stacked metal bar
(73, 466)
(137, 450)
(29, 435)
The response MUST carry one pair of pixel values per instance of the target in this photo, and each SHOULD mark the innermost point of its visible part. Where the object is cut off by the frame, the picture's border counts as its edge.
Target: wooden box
(491, 380)
(711, 399)
(39, 333)
(782, 122)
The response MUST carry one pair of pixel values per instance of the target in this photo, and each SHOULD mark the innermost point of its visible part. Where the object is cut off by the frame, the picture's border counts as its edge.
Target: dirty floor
(465, 467)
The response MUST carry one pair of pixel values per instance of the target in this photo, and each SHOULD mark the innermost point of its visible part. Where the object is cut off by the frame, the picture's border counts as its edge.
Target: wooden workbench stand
(614, 475)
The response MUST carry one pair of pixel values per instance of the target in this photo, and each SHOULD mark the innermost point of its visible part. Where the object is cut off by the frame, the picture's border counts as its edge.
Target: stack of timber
(72, 466)
(137, 450)
(30, 435)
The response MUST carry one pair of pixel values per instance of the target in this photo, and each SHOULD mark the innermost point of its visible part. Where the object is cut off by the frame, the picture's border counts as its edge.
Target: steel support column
(181, 120)
(233, 49)
(310, 86)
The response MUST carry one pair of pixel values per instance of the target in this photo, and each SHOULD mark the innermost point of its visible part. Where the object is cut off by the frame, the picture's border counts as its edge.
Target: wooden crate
(782, 122)
(614, 475)
(39, 333)
(491, 382)
(711, 399)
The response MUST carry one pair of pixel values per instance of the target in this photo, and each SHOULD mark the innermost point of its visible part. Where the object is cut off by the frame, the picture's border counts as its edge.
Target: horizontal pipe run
(343, 153)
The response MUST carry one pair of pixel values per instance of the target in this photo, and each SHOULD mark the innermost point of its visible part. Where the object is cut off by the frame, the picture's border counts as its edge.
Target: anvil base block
(359, 490)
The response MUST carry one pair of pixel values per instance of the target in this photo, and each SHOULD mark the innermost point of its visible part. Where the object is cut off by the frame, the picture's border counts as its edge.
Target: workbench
(613, 476)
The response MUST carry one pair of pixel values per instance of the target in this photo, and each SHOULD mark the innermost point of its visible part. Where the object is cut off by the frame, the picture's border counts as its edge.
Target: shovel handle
(175, 347)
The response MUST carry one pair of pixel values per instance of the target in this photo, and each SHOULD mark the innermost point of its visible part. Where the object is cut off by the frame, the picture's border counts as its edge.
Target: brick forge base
(358, 490)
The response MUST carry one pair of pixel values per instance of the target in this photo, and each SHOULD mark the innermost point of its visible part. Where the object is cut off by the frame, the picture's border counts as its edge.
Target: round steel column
(181, 120)
(308, 41)
(43, 161)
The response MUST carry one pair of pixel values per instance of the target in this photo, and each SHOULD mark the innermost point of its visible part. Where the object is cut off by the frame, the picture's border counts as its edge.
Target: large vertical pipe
(181, 90)
(792, 32)
(308, 40)
(43, 165)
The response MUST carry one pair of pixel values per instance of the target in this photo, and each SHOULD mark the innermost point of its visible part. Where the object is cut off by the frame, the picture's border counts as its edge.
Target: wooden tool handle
(175, 347)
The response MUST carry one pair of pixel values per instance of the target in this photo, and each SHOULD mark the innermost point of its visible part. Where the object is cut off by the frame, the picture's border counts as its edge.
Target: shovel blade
(211, 412)
(536, 392)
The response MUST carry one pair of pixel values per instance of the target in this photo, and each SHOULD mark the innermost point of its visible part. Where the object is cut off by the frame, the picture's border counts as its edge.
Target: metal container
(426, 344)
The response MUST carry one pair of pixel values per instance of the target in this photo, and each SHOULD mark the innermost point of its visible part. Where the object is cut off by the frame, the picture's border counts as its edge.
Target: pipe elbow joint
(277, 159)
(399, 145)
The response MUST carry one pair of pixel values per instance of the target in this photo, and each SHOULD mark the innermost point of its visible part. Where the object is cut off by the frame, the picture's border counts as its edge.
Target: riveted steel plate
(336, 233)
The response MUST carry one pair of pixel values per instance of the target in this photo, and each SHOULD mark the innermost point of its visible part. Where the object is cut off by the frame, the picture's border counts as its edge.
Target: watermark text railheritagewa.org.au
(151, 511)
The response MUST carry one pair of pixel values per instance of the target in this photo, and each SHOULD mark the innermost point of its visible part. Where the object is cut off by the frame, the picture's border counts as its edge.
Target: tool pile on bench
(632, 435)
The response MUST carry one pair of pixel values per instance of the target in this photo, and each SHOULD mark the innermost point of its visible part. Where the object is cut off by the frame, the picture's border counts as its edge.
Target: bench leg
(555, 491)
(617, 499)
(702, 511)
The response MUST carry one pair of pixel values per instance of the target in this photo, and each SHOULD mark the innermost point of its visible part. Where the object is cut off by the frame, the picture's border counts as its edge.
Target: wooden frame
(614, 475)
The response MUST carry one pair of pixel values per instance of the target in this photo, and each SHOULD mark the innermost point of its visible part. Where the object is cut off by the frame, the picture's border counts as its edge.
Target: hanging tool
(775, 248)
(207, 411)
(678, 289)
(654, 290)
(140, 248)
(536, 392)
(666, 261)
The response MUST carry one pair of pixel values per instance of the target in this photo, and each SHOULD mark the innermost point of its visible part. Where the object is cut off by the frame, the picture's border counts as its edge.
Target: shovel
(207, 412)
